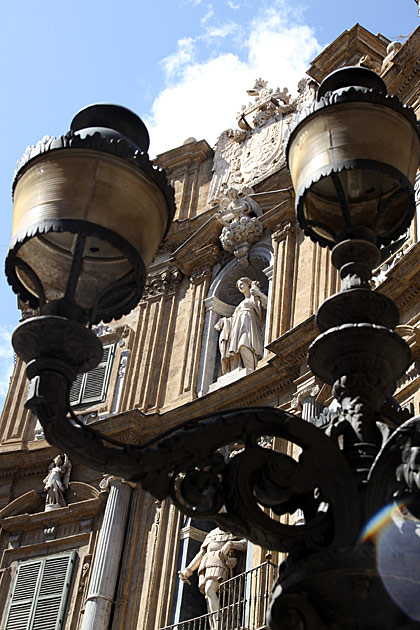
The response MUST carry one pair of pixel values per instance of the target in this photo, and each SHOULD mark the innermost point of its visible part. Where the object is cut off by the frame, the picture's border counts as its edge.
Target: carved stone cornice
(401, 75)
(292, 347)
(347, 50)
(402, 283)
(185, 155)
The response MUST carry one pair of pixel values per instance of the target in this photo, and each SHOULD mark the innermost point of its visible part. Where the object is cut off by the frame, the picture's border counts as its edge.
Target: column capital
(282, 230)
(109, 480)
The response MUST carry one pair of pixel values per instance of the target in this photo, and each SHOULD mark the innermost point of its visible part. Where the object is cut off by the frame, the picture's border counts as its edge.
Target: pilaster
(105, 567)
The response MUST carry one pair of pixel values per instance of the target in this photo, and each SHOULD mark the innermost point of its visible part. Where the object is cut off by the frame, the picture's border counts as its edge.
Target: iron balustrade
(243, 601)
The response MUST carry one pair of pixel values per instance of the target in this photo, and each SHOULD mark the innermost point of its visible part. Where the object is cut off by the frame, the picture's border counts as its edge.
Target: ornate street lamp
(353, 157)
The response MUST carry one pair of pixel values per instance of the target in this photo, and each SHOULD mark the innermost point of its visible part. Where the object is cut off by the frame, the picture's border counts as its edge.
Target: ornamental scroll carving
(244, 155)
(162, 283)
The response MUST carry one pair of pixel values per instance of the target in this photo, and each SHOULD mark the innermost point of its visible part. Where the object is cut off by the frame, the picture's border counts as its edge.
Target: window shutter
(91, 387)
(23, 593)
(40, 593)
(96, 381)
(76, 390)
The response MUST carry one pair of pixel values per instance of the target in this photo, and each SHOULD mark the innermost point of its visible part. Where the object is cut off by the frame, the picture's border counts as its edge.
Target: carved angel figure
(241, 341)
(236, 205)
(239, 214)
(57, 482)
(214, 562)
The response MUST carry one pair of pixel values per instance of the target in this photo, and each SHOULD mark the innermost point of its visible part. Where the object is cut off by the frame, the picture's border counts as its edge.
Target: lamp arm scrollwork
(246, 493)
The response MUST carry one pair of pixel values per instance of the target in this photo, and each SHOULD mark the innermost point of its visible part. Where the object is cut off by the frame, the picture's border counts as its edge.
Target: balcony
(243, 603)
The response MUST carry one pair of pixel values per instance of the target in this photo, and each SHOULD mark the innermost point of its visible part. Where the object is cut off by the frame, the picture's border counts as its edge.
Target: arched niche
(223, 297)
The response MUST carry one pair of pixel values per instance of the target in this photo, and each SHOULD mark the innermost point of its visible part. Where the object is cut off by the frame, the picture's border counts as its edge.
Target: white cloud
(214, 32)
(184, 55)
(234, 6)
(202, 96)
(208, 15)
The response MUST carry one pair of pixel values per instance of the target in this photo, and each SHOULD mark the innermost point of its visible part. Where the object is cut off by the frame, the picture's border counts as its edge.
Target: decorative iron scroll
(246, 493)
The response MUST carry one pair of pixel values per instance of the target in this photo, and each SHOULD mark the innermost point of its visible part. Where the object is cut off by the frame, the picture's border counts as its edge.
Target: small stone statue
(57, 482)
(241, 341)
(214, 562)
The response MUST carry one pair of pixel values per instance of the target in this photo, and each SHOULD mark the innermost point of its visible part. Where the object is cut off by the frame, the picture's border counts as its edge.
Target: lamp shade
(90, 211)
(353, 157)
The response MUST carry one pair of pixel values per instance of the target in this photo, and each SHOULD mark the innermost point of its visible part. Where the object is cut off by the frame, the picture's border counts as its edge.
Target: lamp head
(353, 157)
(90, 211)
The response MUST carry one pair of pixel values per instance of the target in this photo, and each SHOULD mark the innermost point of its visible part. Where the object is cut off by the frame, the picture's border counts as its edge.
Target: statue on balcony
(214, 562)
(57, 482)
(241, 339)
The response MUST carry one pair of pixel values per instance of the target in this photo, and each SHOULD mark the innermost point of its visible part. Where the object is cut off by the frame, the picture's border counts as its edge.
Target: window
(91, 387)
(39, 593)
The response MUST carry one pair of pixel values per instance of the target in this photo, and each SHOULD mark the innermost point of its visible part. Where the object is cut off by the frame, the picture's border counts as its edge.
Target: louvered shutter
(40, 593)
(23, 594)
(92, 386)
(96, 381)
(76, 390)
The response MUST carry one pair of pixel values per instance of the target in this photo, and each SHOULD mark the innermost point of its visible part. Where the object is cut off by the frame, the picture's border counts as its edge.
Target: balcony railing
(243, 603)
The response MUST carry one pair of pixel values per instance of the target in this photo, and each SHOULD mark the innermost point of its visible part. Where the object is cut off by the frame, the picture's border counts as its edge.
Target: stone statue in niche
(57, 482)
(214, 562)
(241, 339)
(239, 214)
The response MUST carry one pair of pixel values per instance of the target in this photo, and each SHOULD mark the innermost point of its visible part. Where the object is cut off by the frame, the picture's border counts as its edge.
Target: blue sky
(183, 65)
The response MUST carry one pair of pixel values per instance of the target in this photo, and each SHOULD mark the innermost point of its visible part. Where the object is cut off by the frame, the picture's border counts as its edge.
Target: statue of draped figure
(241, 339)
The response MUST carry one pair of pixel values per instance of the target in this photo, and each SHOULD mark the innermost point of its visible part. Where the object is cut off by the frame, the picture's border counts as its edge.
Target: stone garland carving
(241, 341)
(239, 214)
(57, 482)
(214, 562)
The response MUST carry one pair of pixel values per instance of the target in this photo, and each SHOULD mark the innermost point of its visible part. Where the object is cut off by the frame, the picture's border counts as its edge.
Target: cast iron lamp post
(91, 200)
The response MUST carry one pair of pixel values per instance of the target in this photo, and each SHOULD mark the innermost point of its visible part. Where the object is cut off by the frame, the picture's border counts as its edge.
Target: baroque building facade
(81, 551)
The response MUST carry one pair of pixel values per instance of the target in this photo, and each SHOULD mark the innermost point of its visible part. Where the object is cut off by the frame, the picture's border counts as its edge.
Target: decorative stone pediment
(26, 504)
(28, 524)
